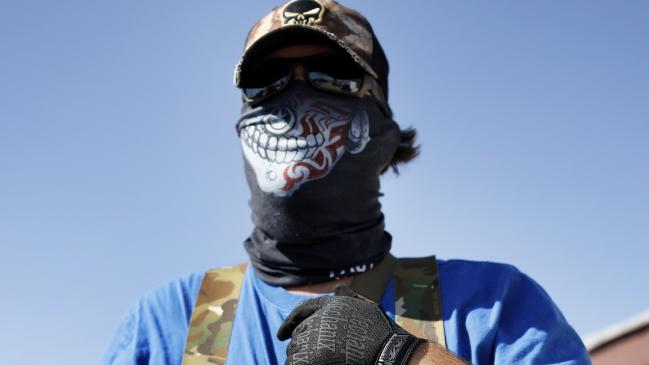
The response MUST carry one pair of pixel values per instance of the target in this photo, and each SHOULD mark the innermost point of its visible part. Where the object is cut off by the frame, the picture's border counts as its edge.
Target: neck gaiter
(312, 162)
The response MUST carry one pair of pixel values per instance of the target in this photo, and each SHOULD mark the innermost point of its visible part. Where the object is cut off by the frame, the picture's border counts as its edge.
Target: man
(316, 134)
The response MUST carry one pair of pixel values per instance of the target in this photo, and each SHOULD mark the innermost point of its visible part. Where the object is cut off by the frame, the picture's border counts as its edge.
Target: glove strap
(398, 349)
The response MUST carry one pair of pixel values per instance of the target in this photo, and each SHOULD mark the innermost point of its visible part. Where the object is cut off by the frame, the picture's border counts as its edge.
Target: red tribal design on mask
(291, 143)
(335, 122)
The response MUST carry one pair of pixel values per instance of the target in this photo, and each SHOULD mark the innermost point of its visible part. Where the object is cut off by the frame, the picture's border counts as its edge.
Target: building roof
(617, 331)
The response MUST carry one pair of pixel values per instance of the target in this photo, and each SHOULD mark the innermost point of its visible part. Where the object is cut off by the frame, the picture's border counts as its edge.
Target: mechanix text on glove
(344, 330)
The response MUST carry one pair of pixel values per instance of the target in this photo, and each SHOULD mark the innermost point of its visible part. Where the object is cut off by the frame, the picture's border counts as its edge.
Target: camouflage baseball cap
(315, 22)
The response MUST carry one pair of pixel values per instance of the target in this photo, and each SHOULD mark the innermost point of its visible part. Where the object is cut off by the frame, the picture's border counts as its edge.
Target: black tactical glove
(344, 330)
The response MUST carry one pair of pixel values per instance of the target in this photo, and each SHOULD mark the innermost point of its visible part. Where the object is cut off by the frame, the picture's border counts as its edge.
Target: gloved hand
(344, 330)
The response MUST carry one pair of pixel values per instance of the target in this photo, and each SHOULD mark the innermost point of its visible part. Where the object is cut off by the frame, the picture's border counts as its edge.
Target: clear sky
(120, 168)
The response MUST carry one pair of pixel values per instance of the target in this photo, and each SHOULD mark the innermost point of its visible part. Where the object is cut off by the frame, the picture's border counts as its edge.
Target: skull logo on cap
(303, 12)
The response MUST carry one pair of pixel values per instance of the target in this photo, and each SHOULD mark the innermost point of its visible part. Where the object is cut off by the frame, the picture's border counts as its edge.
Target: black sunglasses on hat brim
(259, 86)
(329, 73)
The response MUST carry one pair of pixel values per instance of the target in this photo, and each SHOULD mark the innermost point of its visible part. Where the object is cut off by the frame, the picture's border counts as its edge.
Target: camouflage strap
(418, 305)
(213, 315)
(371, 284)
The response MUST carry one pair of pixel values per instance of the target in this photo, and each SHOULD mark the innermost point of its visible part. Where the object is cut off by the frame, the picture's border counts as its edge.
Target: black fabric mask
(313, 162)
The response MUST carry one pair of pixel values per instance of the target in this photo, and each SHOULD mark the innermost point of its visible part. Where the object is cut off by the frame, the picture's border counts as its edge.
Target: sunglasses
(334, 74)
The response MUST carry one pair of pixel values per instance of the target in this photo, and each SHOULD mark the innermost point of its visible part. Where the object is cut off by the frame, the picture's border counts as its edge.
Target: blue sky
(120, 168)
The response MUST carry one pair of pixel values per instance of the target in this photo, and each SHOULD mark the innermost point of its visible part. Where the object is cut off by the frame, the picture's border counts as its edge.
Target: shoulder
(501, 306)
(486, 280)
(173, 300)
(469, 284)
(177, 295)
(468, 268)
(156, 325)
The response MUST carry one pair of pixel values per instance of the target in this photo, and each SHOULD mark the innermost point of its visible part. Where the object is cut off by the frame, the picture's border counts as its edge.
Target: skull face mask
(300, 137)
(313, 162)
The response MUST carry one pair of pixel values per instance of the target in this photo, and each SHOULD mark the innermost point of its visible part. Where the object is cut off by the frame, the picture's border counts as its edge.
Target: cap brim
(292, 35)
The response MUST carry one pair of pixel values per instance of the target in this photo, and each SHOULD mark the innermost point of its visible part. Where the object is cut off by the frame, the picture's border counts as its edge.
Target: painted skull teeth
(299, 139)
(281, 149)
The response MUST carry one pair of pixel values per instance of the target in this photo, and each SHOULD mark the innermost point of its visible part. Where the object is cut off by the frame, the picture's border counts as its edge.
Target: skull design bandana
(313, 162)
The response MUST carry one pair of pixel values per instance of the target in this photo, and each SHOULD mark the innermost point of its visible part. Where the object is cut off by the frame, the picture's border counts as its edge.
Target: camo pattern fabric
(341, 24)
(418, 306)
(213, 316)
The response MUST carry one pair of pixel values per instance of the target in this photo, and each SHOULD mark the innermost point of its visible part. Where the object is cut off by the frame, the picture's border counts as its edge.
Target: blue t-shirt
(493, 314)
